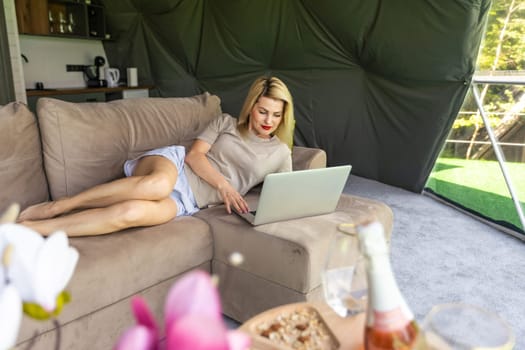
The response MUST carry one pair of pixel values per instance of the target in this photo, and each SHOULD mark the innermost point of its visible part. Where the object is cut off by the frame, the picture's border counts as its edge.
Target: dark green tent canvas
(376, 84)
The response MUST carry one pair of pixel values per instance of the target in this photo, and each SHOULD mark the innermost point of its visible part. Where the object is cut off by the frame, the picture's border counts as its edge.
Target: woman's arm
(199, 163)
(286, 166)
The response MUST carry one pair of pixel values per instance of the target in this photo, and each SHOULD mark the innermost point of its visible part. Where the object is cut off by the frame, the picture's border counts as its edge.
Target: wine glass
(457, 326)
(344, 276)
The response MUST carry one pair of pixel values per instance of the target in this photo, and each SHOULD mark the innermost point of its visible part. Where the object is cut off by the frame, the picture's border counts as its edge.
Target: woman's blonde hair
(271, 87)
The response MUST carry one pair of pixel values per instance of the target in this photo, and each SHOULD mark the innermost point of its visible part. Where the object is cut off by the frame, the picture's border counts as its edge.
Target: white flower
(39, 268)
(10, 315)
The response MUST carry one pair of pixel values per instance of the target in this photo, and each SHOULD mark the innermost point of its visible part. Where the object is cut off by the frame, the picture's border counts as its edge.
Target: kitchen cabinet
(136, 92)
(62, 18)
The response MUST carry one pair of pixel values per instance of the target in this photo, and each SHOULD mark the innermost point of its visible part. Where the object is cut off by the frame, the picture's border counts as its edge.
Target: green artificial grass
(479, 185)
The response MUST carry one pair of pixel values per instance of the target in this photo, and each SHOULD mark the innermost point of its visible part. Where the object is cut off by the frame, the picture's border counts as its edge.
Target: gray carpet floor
(441, 255)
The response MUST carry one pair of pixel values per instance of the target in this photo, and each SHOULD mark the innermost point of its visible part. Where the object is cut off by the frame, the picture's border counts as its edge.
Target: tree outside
(468, 146)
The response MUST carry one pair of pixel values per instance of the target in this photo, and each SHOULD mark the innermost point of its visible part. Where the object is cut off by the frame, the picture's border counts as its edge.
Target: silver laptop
(298, 194)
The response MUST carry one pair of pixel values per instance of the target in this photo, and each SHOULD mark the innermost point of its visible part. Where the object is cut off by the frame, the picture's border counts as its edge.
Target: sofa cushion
(22, 178)
(308, 158)
(85, 144)
(113, 267)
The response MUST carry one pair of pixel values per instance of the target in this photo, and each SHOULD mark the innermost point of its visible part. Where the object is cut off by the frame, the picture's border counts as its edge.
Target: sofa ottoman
(283, 260)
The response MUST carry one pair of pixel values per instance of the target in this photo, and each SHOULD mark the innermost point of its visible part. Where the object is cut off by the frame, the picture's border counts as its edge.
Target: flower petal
(10, 214)
(197, 332)
(194, 293)
(26, 244)
(65, 268)
(55, 265)
(143, 314)
(22, 237)
(238, 340)
(136, 338)
(10, 316)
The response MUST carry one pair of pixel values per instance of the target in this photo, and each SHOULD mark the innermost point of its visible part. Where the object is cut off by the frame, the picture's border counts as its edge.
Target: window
(468, 172)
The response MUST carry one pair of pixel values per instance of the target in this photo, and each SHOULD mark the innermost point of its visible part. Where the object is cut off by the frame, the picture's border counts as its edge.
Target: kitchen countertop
(74, 91)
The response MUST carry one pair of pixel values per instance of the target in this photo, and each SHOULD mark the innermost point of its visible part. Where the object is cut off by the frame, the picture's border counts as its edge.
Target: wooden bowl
(288, 327)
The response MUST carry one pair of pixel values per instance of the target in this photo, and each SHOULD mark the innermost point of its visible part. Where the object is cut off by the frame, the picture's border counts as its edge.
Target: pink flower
(193, 320)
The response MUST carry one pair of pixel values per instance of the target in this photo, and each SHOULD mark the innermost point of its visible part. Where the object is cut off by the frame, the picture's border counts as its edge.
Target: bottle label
(390, 320)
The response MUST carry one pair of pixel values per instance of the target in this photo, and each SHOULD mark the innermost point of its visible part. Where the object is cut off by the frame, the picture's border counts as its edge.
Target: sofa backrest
(85, 144)
(22, 178)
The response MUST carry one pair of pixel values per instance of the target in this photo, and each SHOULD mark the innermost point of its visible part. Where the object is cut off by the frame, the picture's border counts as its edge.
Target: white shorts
(181, 194)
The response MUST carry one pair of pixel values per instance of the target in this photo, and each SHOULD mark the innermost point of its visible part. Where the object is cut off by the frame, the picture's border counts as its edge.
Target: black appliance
(92, 73)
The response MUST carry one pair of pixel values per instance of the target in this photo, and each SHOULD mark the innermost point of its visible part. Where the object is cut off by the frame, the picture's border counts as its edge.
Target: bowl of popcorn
(297, 327)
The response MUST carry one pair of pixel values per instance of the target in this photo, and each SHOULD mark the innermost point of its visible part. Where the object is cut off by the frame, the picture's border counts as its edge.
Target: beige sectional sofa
(68, 147)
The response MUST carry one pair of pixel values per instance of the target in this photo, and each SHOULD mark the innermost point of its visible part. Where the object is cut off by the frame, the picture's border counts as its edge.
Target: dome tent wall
(376, 84)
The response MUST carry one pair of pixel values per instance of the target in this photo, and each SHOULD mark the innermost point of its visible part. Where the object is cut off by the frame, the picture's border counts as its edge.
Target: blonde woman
(223, 164)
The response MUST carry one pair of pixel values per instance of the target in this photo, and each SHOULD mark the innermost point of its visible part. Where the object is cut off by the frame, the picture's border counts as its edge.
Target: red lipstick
(266, 127)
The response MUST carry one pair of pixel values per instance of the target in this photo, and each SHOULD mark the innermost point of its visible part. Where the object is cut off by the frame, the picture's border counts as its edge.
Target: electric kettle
(112, 76)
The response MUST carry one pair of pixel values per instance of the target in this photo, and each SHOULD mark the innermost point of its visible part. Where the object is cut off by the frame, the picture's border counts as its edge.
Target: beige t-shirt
(244, 162)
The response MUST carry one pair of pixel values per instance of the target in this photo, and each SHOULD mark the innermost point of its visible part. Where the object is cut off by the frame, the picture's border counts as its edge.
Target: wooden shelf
(62, 18)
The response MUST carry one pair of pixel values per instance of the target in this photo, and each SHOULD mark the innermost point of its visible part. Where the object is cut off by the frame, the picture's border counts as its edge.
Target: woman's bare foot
(45, 210)
(35, 226)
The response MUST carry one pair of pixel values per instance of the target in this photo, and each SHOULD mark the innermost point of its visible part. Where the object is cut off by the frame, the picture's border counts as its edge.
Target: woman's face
(266, 115)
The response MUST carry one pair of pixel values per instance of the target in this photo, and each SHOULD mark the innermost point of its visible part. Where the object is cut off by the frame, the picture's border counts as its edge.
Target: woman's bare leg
(153, 179)
(116, 217)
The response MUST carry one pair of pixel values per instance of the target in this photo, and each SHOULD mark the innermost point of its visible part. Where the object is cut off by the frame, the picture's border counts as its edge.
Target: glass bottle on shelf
(51, 21)
(71, 24)
(62, 22)
(390, 324)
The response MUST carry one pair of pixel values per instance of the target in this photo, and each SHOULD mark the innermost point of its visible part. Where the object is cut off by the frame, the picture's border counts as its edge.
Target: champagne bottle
(390, 325)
